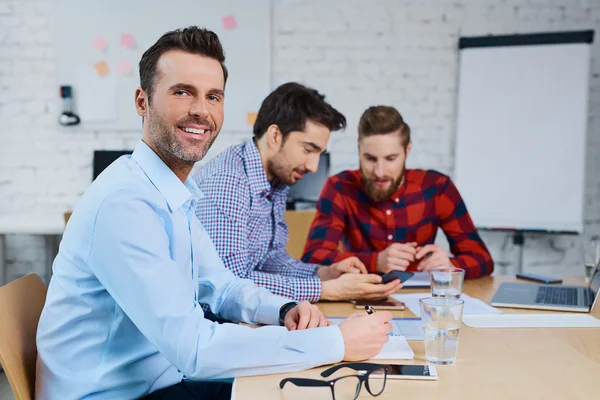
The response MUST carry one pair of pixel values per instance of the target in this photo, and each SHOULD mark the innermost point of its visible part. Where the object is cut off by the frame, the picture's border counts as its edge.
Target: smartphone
(387, 304)
(395, 274)
(539, 278)
(400, 371)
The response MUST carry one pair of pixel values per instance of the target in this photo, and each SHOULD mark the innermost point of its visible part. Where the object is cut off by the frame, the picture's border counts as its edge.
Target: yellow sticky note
(251, 118)
(101, 68)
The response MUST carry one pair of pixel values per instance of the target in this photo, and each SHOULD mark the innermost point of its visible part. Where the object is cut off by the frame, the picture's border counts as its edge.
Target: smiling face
(299, 153)
(382, 164)
(185, 114)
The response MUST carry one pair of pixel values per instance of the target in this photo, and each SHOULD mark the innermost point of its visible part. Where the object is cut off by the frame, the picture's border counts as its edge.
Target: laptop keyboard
(557, 295)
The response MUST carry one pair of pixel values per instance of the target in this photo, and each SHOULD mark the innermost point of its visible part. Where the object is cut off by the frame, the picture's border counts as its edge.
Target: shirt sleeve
(328, 229)
(130, 256)
(224, 211)
(468, 250)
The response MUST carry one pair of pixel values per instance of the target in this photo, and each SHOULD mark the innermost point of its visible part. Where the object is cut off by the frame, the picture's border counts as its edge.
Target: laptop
(549, 297)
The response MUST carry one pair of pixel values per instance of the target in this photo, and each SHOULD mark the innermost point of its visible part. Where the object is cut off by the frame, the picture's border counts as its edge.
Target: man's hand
(358, 287)
(364, 335)
(305, 316)
(397, 256)
(351, 265)
(432, 256)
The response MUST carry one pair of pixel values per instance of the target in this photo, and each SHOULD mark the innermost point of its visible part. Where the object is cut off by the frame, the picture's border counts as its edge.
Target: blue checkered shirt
(244, 215)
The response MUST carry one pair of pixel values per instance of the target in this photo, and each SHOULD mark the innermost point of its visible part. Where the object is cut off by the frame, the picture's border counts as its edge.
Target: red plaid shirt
(425, 201)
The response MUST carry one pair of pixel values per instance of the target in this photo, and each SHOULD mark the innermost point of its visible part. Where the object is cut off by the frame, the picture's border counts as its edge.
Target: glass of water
(441, 318)
(447, 282)
(591, 256)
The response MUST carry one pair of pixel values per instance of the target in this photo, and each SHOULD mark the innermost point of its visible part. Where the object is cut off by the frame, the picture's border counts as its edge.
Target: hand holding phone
(403, 276)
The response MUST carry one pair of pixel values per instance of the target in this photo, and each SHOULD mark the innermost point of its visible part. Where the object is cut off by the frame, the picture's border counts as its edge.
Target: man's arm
(226, 221)
(328, 229)
(469, 251)
(134, 264)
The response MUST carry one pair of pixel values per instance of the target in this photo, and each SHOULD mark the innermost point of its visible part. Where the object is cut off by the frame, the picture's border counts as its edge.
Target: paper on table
(410, 328)
(472, 306)
(396, 348)
(531, 321)
(420, 279)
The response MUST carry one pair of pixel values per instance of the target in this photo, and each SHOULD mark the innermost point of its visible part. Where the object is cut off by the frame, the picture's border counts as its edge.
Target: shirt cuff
(327, 343)
(268, 310)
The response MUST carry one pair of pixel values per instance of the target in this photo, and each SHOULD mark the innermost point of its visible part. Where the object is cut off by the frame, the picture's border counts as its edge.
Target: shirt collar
(175, 192)
(257, 177)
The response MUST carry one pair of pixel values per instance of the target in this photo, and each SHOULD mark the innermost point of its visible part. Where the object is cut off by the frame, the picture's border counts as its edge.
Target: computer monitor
(308, 189)
(103, 158)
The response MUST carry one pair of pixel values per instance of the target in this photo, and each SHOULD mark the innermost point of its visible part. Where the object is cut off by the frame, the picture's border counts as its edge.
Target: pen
(369, 310)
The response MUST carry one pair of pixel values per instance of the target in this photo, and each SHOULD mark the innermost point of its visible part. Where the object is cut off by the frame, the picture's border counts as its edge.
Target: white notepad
(396, 348)
(531, 321)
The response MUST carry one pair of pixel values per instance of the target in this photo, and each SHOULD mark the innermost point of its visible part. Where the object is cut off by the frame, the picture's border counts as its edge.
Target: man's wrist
(284, 310)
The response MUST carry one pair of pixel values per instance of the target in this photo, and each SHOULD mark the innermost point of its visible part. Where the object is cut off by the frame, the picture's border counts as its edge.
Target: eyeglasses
(348, 387)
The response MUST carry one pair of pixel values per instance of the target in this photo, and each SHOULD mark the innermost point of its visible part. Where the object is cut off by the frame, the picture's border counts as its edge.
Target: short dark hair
(291, 105)
(381, 120)
(192, 39)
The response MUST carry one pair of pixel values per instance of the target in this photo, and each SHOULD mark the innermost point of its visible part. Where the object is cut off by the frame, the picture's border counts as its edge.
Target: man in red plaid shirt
(387, 215)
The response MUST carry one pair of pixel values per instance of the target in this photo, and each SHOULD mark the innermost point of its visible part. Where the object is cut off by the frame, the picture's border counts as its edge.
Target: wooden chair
(299, 222)
(21, 304)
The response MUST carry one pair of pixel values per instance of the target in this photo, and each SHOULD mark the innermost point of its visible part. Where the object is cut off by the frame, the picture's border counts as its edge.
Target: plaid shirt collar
(257, 176)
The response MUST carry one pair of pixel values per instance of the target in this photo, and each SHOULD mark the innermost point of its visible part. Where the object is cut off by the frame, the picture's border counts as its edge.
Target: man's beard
(375, 192)
(280, 168)
(167, 140)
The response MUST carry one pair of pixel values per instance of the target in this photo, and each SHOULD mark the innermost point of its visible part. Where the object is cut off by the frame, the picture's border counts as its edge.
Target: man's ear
(408, 148)
(141, 102)
(274, 137)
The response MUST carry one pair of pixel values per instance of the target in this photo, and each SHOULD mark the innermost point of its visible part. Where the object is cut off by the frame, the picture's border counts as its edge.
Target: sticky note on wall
(251, 118)
(99, 43)
(128, 40)
(229, 22)
(101, 68)
(124, 67)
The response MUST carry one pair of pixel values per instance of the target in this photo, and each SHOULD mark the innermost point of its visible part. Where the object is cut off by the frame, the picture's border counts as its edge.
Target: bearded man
(388, 216)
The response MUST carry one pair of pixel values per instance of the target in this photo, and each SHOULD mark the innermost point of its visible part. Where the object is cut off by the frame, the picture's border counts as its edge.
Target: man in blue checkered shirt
(245, 190)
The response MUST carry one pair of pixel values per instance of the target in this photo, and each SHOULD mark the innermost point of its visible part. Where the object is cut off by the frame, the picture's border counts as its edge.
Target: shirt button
(397, 200)
(390, 237)
(388, 212)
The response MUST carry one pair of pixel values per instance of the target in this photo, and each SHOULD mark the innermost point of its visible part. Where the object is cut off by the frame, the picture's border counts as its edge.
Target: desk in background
(49, 226)
(541, 363)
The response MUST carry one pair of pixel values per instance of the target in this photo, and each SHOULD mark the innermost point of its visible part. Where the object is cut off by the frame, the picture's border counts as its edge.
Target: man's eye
(213, 98)
(181, 93)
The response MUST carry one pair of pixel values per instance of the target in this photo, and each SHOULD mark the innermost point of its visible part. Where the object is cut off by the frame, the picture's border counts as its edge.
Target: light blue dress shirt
(122, 316)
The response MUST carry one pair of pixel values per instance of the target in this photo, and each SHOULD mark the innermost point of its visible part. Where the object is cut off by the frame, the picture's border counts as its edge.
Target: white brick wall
(346, 49)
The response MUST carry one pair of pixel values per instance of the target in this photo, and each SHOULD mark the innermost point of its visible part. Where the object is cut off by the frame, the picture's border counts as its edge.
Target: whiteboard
(107, 102)
(521, 132)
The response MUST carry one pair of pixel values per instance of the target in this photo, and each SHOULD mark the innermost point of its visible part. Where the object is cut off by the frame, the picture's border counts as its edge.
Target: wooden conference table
(532, 363)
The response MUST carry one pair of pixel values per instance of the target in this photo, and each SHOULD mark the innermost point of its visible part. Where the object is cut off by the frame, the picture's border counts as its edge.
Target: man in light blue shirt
(122, 318)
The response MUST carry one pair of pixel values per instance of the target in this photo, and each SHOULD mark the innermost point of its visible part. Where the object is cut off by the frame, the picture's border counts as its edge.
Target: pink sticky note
(99, 43)
(124, 67)
(127, 40)
(229, 22)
